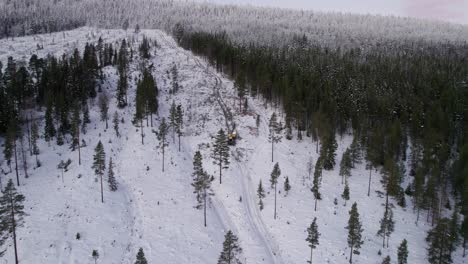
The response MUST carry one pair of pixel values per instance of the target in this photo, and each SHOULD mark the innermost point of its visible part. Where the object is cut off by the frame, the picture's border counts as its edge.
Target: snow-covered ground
(155, 210)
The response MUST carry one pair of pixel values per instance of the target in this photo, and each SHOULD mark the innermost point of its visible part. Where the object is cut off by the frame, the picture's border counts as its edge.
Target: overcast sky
(448, 10)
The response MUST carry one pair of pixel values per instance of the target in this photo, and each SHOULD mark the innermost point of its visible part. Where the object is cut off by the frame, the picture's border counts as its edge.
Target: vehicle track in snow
(254, 219)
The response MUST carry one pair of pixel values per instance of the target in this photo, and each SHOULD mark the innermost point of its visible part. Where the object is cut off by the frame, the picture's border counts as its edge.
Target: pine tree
(316, 182)
(162, 137)
(275, 174)
(201, 183)
(386, 260)
(99, 164)
(140, 257)
(104, 108)
(260, 194)
(387, 225)
(313, 237)
(111, 176)
(440, 243)
(403, 252)
(355, 152)
(95, 255)
(220, 152)
(354, 232)
(231, 250)
(11, 216)
(115, 122)
(75, 131)
(287, 187)
(274, 135)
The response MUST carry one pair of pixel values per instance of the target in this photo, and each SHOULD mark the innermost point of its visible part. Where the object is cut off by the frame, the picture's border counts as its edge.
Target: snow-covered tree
(111, 177)
(260, 194)
(220, 152)
(354, 232)
(403, 252)
(274, 135)
(99, 164)
(140, 257)
(11, 216)
(231, 250)
(275, 174)
(313, 236)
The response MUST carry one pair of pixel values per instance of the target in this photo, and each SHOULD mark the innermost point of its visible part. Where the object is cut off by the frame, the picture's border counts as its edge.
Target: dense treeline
(59, 84)
(409, 96)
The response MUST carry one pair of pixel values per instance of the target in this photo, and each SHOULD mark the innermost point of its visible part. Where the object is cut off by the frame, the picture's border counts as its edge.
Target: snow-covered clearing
(155, 210)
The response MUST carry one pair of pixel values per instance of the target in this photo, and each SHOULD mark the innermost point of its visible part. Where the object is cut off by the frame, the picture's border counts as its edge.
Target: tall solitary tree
(11, 215)
(231, 250)
(313, 237)
(162, 137)
(274, 135)
(202, 184)
(220, 152)
(275, 174)
(354, 232)
(99, 164)
(179, 121)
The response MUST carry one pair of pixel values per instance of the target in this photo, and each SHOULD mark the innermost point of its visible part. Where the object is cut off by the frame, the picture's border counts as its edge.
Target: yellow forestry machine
(232, 138)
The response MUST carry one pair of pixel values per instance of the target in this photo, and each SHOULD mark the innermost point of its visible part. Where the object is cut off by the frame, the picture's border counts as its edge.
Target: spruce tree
(387, 225)
(173, 120)
(162, 137)
(316, 182)
(345, 194)
(260, 194)
(274, 181)
(140, 257)
(440, 243)
(274, 135)
(313, 237)
(231, 250)
(99, 164)
(76, 132)
(86, 119)
(111, 176)
(345, 165)
(49, 129)
(354, 232)
(403, 252)
(328, 151)
(287, 186)
(386, 260)
(34, 138)
(220, 152)
(11, 216)
(115, 122)
(9, 145)
(104, 108)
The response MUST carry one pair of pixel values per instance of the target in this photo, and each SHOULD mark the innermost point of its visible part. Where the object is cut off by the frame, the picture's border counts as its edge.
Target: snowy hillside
(155, 210)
